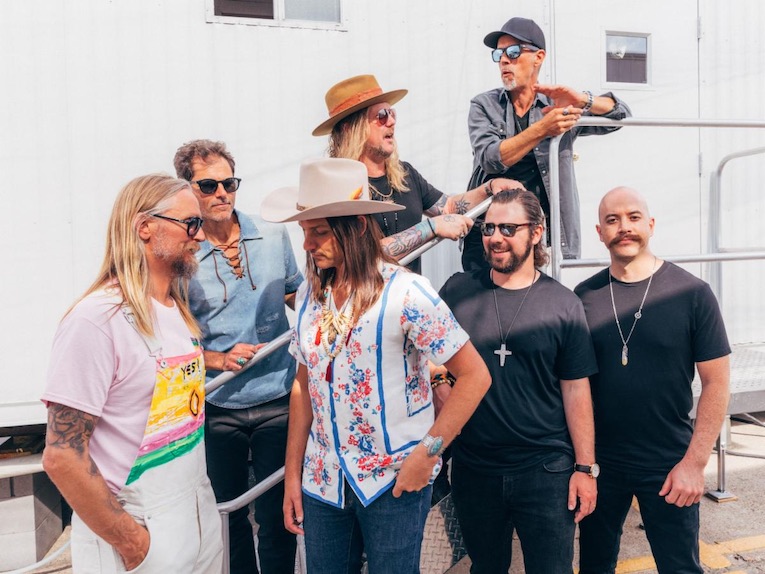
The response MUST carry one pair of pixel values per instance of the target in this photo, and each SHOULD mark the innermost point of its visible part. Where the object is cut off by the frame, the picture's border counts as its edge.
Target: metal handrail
(556, 262)
(715, 225)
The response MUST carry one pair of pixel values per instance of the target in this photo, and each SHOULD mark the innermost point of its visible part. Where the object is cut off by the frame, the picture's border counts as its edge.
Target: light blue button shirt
(243, 314)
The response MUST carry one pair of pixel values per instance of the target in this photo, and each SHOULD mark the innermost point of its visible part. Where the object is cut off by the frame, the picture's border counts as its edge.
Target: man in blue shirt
(247, 274)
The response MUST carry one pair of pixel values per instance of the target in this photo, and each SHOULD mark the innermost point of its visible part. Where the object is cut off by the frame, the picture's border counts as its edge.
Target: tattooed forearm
(404, 242)
(438, 207)
(69, 428)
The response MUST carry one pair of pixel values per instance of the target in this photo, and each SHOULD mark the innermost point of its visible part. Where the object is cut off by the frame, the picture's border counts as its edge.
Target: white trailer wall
(95, 93)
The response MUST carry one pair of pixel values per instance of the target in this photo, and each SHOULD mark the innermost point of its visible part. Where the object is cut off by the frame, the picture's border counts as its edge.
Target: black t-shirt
(641, 409)
(420, 197)
(521, 419)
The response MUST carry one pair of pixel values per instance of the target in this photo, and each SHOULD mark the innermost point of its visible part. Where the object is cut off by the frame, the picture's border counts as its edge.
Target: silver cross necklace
(503, 351)
(638, 313)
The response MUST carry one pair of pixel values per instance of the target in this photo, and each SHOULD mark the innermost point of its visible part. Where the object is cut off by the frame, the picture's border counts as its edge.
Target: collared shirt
(491, 120)
(230, 311)
(377, 404)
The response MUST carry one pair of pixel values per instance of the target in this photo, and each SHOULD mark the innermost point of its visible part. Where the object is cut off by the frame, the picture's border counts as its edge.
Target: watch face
(595, 470)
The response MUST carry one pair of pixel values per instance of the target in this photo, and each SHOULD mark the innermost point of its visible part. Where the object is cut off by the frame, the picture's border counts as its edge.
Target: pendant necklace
(334, 328)
(503, 352)
(638, 313)
(386, 198)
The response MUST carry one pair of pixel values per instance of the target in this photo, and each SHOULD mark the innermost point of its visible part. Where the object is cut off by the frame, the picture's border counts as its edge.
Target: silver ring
(241, 361)
(565, 111)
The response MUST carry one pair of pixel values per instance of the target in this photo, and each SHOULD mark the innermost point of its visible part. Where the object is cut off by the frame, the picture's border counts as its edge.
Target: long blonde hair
(348, 139)
(124, 267)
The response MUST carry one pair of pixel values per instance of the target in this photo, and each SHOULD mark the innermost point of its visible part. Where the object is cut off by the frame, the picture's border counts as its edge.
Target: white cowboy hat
(330, 187)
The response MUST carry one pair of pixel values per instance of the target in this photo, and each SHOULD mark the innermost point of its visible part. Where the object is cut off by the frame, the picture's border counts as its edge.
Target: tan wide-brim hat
(352, 95)
(329, 187)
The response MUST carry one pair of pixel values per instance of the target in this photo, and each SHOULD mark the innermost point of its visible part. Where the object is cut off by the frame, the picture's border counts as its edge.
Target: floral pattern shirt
(372, 404)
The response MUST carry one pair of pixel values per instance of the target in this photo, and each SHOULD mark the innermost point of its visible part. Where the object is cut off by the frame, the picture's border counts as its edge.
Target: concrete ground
(732, 533)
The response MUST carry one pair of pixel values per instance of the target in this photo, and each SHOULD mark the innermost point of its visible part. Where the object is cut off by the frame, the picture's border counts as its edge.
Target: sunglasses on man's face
(383, 115)
(506, 229)
(210, 186)
(193, 224)
(512, 52)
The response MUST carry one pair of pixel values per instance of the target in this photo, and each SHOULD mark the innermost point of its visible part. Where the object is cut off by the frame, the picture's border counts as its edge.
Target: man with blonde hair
(361, 126)
(125, 397)
(364, 443)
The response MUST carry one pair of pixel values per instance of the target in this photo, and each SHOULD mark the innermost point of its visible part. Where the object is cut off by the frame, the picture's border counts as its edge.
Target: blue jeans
(231, 437)
(389, 530)
(672, 532)
(532, 502)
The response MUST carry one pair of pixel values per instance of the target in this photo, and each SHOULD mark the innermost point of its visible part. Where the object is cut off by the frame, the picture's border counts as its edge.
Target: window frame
(648, 85)
(278, 21)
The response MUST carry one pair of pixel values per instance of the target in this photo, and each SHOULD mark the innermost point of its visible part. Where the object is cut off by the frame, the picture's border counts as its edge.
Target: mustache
(629, 236)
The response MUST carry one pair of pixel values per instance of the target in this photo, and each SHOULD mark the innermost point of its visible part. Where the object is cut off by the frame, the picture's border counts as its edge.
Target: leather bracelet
(432, 229)
(590, 100)
(487, 189)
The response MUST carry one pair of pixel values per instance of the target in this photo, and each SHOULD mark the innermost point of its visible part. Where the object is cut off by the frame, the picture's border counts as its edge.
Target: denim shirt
(491, 120)
(247, 315)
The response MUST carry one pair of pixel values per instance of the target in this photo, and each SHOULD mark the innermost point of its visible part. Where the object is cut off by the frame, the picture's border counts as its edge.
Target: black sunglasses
(383, 115)
(506, 229)
(210, 186)
(512, 52)
(193, 224)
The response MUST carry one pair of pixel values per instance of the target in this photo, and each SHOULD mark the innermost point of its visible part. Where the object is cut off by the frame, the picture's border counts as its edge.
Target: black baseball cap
(523, 29)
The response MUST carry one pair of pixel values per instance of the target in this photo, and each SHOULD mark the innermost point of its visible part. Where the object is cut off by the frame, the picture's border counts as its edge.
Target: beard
(377, 153)
(510, 84)
(185, 266)
(515, 261)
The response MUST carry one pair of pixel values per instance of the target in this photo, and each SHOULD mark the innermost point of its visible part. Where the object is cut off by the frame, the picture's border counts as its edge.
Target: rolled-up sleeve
(621, 110)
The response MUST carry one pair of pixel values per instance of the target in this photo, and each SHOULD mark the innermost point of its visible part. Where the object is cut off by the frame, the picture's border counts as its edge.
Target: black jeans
(533, 502)
(230, 436)
(672, 532)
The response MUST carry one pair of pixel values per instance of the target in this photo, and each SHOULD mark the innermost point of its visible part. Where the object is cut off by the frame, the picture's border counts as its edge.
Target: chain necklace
(503, 352)
(383, 196)
(638, 313)
(334, 328)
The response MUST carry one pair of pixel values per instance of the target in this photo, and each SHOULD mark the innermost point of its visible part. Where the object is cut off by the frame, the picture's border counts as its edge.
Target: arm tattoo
(461, 205)
(438, 207)
(406, 241)
(69, 428)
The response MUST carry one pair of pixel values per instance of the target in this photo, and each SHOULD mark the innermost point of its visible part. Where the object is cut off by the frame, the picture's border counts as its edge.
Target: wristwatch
(434, 445)
(591, 469)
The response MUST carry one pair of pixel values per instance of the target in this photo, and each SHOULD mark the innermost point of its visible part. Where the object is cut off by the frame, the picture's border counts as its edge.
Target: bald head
(620, 198)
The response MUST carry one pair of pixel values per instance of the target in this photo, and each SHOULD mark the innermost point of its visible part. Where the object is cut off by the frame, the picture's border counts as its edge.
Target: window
(307, 10)
(627, 58)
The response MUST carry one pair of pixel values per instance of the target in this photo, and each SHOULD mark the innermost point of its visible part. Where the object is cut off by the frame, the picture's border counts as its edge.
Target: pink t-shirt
(102, 366)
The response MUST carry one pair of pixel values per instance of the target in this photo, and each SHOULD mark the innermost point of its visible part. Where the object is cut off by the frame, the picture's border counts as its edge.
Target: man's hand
(416, 471)
(562, 96)
(684, 484)
(293, 507)
(135, 548)
(557, 121)
(502, 183)
(238, 356)
(585, 488)
(452, 226)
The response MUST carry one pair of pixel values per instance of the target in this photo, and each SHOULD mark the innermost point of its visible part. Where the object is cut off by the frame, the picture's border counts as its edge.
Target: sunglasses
(506, 229)
(193, 224)
(512, 52)
(210, 186)
(383, 115)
